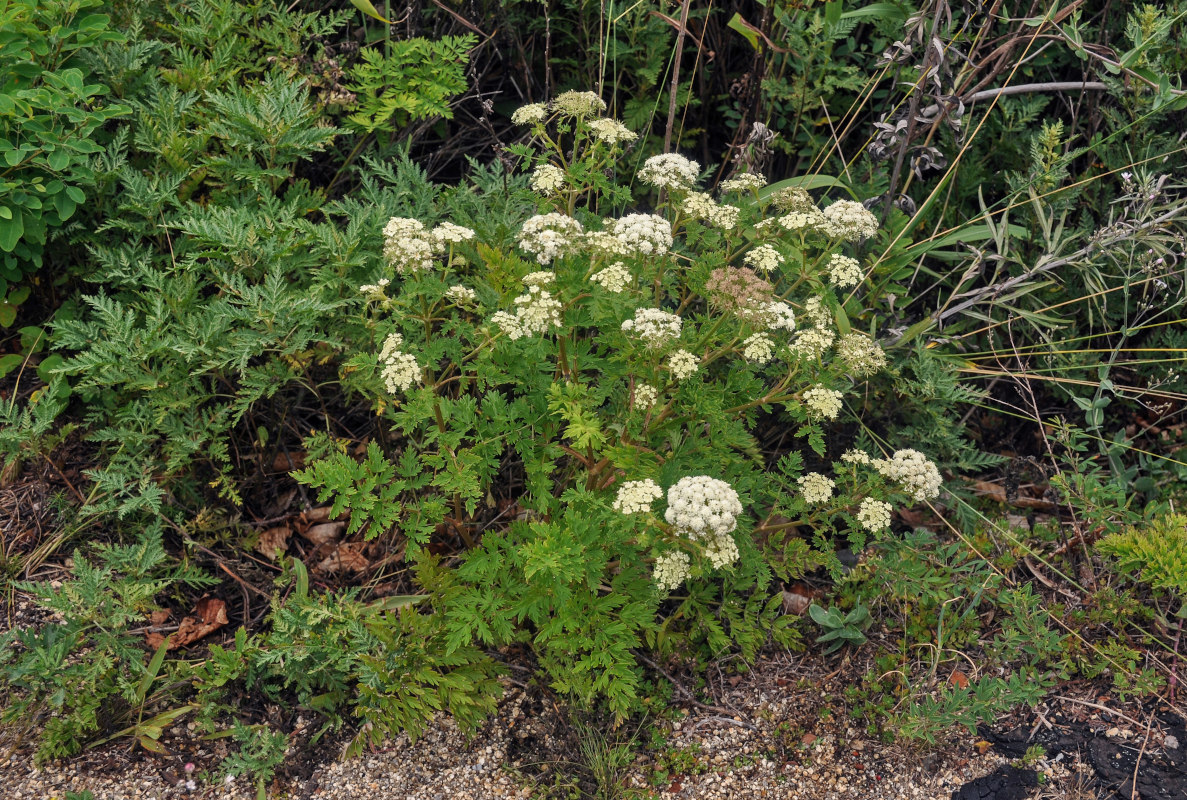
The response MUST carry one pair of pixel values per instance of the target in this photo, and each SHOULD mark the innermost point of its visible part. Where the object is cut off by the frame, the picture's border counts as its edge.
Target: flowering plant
(613, 409)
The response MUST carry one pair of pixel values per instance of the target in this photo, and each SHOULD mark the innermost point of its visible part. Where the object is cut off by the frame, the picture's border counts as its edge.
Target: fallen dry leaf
(346, 556)
(288, 461)
(273, 542)
(211, 614)
(324, 533)
(795, 603)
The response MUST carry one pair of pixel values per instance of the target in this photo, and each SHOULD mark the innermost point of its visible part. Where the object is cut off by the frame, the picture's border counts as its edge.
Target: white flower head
(722, 551)
(813, 342)
(845, 272)
(744, 182)
(509, 324)
(648, 234)
(808, 220)
(701, 206)
(407, 246)
(539, 278)
(549, 236)
(636, 497)
(816, 488)
(763, 258)
(578, 104)
(874, 515)
(611, 131)
(701, 507)
(400, 369)
(849, 220)
(860, 354)
(758, 348)
(537, 311)
(914, 471)
(856, 457)
(613, 278)
(779, 316)
(645, 396)
(377, 290)
(530, 114)
(462, 295)
(683, 364)
(670, 171)
(671, 569)
(653, 326)
(547, 179)
(822, 403)
(818, 312)
(448, 233)
(605, 243)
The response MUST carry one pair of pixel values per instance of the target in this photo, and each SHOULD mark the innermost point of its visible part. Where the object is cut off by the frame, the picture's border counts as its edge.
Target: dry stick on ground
(680, 688)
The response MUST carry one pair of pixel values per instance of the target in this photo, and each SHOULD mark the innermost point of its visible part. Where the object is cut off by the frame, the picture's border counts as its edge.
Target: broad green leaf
(10, 362)
(367, 8)
(738, 24)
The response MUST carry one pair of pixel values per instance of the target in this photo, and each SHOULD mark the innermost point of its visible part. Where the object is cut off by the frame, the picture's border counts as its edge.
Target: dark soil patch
(1004, 783)
(1153, 753)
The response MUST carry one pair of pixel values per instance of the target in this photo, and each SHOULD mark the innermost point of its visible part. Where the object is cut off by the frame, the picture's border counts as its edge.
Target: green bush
(51, 116)
(625, 356)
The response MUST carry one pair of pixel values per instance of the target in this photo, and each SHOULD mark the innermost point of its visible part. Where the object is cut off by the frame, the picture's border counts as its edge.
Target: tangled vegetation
(349, 358)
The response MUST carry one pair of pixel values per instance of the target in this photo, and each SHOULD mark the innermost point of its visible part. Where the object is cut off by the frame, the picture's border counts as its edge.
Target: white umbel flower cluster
(779, 316)
(822, 403)
(813, 342)
(653, 326)
(671, 570)
(816, 488)
(915, 471)
(611, 131)
(536, 310)
(763, 258)
(613, 278)
(856, 457)
(745, 182)
(873, 515)
(808, 219)
(377, 290)
(703, 508)
(648, 234)
(578, 104)
(462, 295)
(550, 236)
(683, 364)
(845, 272)
(547, 179)
(530, 114)
(447, 233)
(722, 551)
(406, 245)
(849, 220)
(670, 171)
(636, 497)
(400, 369)
(703, 207)
(410, 247)
(860, 354)
(605, 243)
(645, 395)
(758, 348)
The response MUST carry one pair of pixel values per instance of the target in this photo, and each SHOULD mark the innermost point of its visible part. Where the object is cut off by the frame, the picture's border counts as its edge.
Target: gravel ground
(779, 732)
